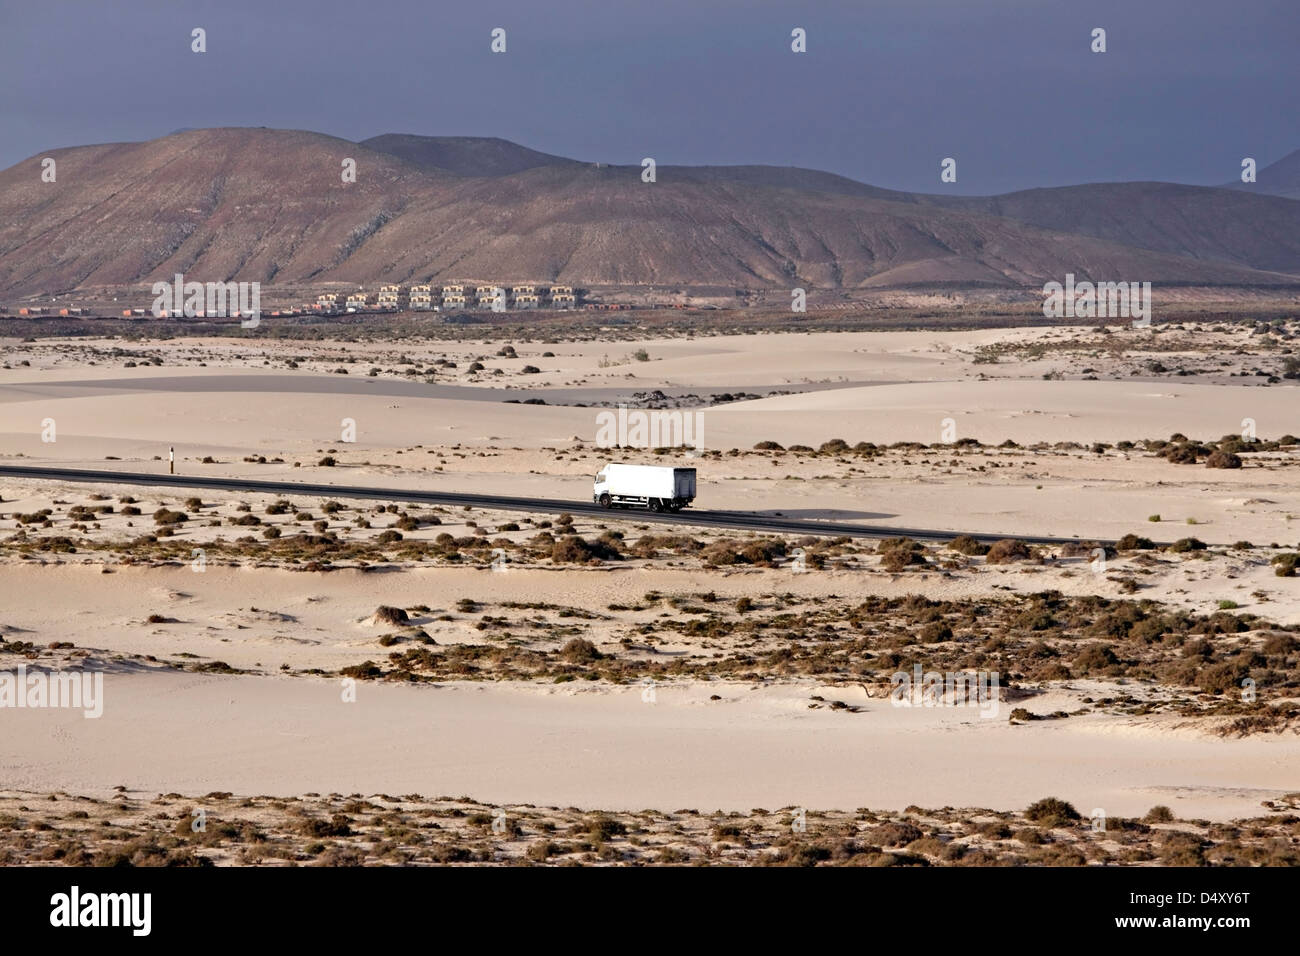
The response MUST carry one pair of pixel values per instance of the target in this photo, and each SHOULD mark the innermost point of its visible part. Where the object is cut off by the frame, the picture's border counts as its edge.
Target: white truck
(644, 486)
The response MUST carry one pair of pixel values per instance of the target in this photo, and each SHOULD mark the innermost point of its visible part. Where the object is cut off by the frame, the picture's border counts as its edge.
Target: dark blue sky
(886, 90)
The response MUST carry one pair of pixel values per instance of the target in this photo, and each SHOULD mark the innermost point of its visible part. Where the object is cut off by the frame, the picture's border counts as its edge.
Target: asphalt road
(709, 519)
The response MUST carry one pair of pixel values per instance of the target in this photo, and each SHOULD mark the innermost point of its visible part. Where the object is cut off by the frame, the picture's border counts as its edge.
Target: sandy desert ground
(616, 666)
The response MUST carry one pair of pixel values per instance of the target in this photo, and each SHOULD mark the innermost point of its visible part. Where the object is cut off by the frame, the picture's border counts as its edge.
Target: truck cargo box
(657, 487)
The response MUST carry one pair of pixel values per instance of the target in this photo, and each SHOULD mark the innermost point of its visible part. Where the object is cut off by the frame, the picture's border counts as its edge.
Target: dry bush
(1007, 551)
(896, 554)
(965, 544)
(1223, 459)
(574, 549)
(1051, 812)
(384, 614)
(580, 651)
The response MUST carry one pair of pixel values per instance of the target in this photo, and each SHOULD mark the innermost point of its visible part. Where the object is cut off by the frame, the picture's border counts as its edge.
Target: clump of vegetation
(1286, 565)
(760, 552)
(1007, 551)
(580, 651)
(574, 549)
(965, 544)
(1222, 459)
(1183, 453)
(385, 614)
(898, 554)
(1051, 812)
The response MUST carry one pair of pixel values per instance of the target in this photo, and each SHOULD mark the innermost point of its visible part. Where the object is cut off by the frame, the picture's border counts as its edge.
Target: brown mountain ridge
(269, 205)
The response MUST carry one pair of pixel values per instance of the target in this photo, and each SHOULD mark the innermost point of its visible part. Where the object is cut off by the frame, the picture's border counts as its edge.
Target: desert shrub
(1286, 565)
(337, 826)
(601, 828)
(573, 549)
(1159, 814)
(579, 650)
(1187, 544)
(764, 552)
(965, 544)
(1223, 677)
(894, 833)
(1089, 549)
(542, 850)
(1051, 812)
(936, 632)
(1151, 629)
(1132, 542)
(1179, 848)
(768, 446)
(899, 553)
(1034, 619)
(165, 517)
(1279, 645)
(1094, 658)
(1006, 551)
(389, 537)
(386, 614)
(329, 461)
(1223, 459)
(1183, 453)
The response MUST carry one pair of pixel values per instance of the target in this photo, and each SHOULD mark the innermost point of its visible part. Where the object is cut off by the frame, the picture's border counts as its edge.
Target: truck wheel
(604, 501)
(656, 504)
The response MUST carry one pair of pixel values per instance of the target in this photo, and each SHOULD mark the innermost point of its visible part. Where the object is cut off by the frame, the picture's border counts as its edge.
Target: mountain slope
(1277, 179)
(464, 155)
(1209, 224)
(269, 205)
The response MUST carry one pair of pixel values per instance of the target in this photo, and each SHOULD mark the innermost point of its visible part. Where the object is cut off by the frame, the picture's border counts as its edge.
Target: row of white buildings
(424, 298)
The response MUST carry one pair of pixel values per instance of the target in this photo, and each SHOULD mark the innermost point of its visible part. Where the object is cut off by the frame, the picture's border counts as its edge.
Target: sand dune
(599, 744)
(1022, 411)
(607, 748)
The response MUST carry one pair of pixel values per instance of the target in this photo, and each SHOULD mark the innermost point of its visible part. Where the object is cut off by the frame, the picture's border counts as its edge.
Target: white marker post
(171, 461)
